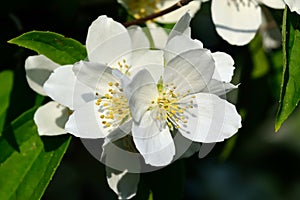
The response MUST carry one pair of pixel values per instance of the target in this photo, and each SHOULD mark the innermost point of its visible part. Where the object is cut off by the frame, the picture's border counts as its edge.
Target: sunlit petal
(224, 67)
(140, 92)
(173, 17)
(123, 183)
(38, 69)
(212, 120)
(51, 119)
(279, 4)
(294, 5)
(153, 141)
(191, 70)
(107, 41)
(85, 122)
(236, 22)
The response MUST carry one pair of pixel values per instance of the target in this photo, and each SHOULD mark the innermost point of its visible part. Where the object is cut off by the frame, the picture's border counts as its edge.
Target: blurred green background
(257, 163)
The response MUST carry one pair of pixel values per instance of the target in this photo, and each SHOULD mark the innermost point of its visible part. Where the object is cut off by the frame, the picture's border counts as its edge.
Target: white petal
(107, 41)
(236, 22)
(85, 122)
(279, 4)
(218, 87)
(213, 120)
(152, 60)
(124, 184)
(179, 44)
(224, 67)
(119, 132)
(138, 38)
(173, 17)
(63, 87)
(294, 5)
(120, 156)
(182, 27)
(51, 119)
(38, 69)
(140, 92)
(154, 141)
(95, 75)
(191, 70)
(159, 35)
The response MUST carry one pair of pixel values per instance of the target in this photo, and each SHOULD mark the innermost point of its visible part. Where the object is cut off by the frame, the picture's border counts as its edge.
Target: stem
(176, 6)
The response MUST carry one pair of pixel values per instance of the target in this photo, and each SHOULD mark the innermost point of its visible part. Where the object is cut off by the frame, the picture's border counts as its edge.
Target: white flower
(294, 5)
(51, 117)
(183, 97)
(110, 49)
(237, 21)
(113, 52)
(123, 183)
(142, 8)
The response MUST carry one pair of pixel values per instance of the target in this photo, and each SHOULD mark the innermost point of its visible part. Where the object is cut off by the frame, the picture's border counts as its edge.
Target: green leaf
(6, 85)
(58, 48)
(290, 85)
(28, 161)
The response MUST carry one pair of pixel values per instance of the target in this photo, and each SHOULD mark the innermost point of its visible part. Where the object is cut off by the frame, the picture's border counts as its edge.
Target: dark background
(255, 164)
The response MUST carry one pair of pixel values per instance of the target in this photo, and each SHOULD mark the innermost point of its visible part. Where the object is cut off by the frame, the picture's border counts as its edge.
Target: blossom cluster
(159, 102)
(236, 21)
(125, 88)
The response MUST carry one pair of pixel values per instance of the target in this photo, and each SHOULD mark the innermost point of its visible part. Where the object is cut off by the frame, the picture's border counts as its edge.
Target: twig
(176, 6)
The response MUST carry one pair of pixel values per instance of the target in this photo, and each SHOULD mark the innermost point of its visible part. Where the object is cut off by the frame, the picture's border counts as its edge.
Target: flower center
(172, 106)
(142, 8)
(113, 106)
(123, 67)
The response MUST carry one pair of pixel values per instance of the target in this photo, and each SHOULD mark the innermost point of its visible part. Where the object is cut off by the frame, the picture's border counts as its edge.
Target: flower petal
(179, 44)
(51, 119)
(38, 69)
(182, 26)
(107, 41)
(119, 132)
(277, 4)
(294, 5)
(159, 35)
(212, 120)
(85, 122)
(138, 38)
(218, 88)
(140, 92)
(120, 155)
(95, 75)
(124, 184)
(172, 17)
(236, 22)
(224, 67)
(154, 141)
(63, 87)
(152, 60)
(191, 70)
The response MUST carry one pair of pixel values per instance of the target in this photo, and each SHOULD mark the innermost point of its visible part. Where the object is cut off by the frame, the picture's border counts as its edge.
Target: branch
(176, 6)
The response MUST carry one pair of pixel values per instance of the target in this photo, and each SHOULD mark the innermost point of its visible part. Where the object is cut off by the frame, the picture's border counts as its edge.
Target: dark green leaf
(28, 161)
(58, 48)
(290, 86)
(6, 84)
